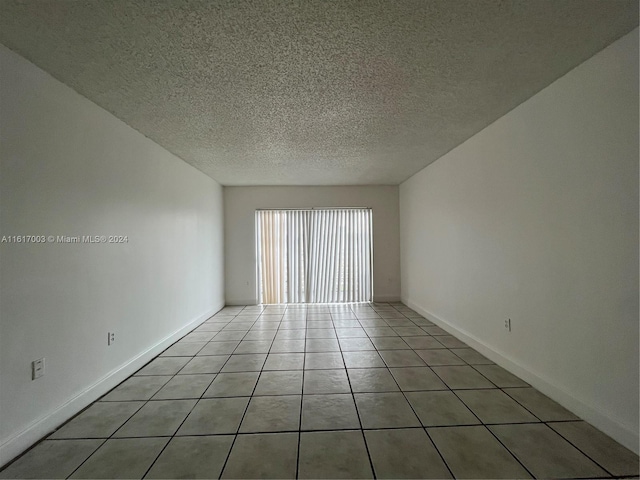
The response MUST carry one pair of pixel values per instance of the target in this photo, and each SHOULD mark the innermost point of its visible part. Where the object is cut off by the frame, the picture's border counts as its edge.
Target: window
(315, 255)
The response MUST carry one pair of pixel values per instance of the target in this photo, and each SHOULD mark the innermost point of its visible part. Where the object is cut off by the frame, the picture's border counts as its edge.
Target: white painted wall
(70, 168)
(240, 204)
(536, 219)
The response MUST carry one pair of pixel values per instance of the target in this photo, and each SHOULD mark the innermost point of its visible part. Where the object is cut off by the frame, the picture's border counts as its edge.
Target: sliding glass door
(315, 255)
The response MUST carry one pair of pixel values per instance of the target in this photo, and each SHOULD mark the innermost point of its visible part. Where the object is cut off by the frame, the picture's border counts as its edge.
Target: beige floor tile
(440, 408)
(214, 416)
(192, 457)
(265, 455)
(545, 453)
(122, 458)
(617, 459)
(385, 410)
(329, 412)
(393, 453)
(333, 455)
(472, 452)
(272, 414)
(51, 459)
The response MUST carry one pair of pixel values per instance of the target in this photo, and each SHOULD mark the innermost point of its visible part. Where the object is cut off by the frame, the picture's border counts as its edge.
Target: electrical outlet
(37, 368)
(111, 337)
(507, 325)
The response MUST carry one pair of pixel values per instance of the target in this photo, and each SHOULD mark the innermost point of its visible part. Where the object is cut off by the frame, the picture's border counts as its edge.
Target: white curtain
(316, 256)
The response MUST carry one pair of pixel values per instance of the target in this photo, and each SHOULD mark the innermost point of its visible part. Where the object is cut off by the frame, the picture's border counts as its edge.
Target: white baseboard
(622, 433)
(18, 443)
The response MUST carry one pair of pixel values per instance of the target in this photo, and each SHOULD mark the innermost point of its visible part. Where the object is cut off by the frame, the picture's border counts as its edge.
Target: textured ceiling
(310, 92)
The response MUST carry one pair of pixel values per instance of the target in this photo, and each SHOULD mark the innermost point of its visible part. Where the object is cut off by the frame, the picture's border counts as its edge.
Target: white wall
(240, 204)
(536, 219)
(70, 168)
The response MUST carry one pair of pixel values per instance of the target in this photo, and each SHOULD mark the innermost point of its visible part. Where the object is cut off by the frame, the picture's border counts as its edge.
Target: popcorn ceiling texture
(310, 92)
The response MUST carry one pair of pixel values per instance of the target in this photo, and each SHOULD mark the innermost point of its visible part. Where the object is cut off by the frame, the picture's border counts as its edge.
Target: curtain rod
(315, 208)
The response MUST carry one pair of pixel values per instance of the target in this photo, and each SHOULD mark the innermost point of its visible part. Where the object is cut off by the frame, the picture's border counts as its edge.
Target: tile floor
(323, 391)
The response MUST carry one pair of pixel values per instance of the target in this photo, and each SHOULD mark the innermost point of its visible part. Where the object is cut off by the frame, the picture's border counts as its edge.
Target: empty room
(319, 239)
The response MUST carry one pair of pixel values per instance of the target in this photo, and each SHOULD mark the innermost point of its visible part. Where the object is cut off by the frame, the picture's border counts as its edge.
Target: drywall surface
(240, 204)
(536, 219)
(71, 169)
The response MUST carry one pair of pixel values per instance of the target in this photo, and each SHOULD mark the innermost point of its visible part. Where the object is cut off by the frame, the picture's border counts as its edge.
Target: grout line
(494, 435)
(304, 359)
(353, 398)
(224, 465)
(86, 459)
(310, 430)
(416, 415)
(540, 420)
(580, 450)
(184, 419)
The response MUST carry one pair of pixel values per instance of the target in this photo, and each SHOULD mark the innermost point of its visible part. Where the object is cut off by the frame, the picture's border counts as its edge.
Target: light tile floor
(323, 391)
